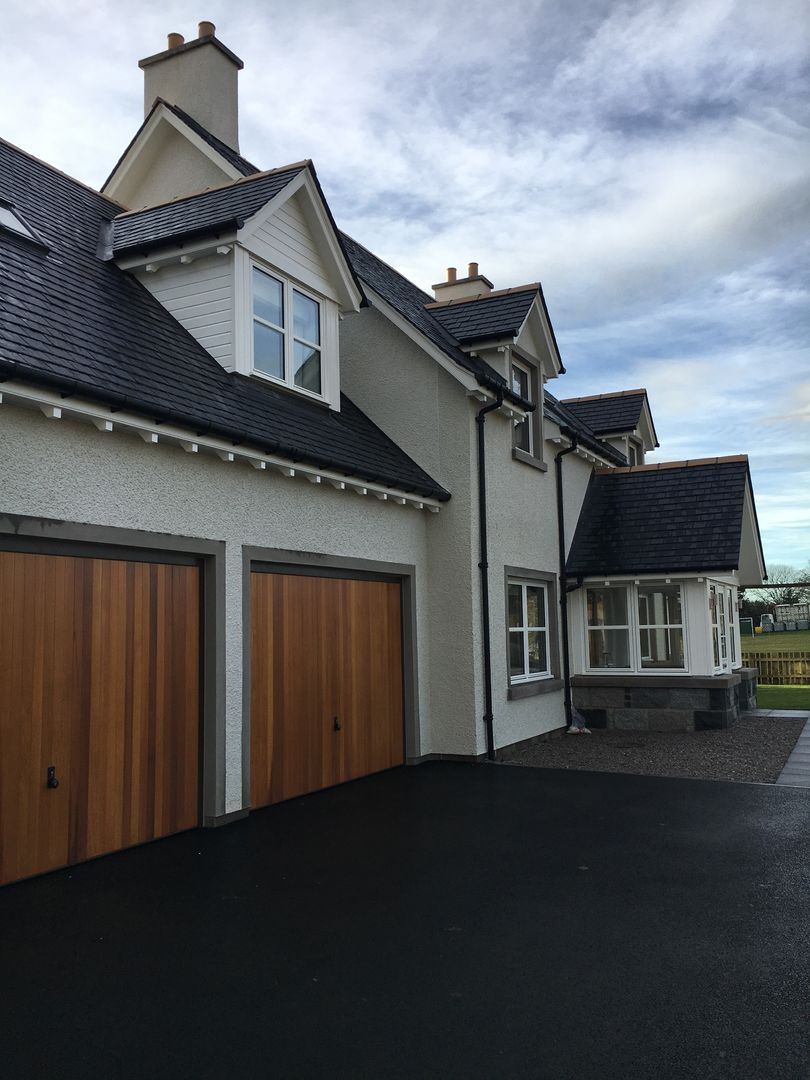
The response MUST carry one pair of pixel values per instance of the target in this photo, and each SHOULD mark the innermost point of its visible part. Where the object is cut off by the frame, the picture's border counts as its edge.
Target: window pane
(521, 436)
(659, 605)
(268, 350)
(515, 605)
(268, 298)
(520, 382)
(305, 318)
(538, 661)
(536, 606)
(607, 606)
(609, 648)
(664, 648)
(516, 654)
(307, 363)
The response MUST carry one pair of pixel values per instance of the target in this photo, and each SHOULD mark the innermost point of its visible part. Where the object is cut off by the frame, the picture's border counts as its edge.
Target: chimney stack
(474, 284)
(200, 77)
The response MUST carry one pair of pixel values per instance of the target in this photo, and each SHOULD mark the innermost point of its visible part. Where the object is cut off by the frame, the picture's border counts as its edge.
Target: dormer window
(527, 432)
(522, 384)
(286, 347)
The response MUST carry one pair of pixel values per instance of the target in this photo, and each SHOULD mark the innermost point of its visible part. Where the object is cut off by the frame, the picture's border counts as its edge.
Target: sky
(649, 162)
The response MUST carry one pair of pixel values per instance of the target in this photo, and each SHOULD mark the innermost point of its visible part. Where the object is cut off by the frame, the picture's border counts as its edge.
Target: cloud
(648, 161)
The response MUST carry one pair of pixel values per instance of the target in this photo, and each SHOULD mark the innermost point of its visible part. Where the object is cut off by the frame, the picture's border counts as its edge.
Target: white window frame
(634, 627)
(722, 616)
(289, 288)
(628, 626)
(668, 627)
(525, 630)
(527, 371)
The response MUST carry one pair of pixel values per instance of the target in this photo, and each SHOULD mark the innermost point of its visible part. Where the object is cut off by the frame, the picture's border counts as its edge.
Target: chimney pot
(472, 270)
(174, 41)
(451, 273)
(206, 29)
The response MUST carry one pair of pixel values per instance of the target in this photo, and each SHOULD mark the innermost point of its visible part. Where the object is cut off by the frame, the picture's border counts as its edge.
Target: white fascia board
(186, 251)
(725, 576)
(754, 569)
(323, 234)
(537, 314)
(468, 381)
(52, 403)
(162, 115)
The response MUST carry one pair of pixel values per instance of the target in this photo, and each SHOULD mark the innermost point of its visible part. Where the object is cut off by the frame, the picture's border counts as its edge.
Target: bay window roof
(669, 517)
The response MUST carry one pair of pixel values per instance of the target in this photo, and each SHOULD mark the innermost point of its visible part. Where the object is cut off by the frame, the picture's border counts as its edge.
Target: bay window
(529, 653)
(635, 627)
(286, 333)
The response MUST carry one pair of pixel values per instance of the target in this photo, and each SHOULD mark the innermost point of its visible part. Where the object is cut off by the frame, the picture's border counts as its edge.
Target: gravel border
(754, 750)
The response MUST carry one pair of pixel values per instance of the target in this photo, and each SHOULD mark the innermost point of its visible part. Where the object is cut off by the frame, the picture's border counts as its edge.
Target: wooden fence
(790, 667)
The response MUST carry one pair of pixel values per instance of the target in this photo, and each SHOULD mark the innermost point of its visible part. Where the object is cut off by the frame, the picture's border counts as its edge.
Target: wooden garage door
(326, 674)
(99, 680)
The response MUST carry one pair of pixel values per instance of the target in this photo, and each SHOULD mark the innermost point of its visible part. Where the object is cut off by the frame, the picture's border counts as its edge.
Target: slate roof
(245, 167)
(495, 315)
(202, 213)
(409, 301)
(683, 515)
(81, 325)
(555, 410)
(605, 413)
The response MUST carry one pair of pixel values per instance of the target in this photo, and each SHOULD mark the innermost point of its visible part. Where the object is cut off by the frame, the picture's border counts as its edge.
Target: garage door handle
(336, 724)
(52, 781)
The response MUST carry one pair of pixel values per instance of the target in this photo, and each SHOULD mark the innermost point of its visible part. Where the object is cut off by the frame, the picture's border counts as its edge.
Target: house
(273, 518)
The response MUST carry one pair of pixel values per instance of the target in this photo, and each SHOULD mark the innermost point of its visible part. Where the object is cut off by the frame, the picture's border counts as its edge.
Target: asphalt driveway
(440, 921)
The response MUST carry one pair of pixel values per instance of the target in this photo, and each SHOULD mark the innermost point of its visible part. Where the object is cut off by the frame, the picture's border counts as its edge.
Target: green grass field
(783, 697)
(788, 639)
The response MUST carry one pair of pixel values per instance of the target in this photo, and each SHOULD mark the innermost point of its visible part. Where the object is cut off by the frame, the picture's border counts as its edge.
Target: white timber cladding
(200, 295)
(285, 240)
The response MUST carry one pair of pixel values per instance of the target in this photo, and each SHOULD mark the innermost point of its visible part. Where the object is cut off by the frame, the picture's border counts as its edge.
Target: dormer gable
(623, 418)
(171, 155)
(494, 321)
(255, 270)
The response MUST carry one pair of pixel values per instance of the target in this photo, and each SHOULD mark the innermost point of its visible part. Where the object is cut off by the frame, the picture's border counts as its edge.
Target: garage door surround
(101, 696)
(52, 537)
(322, 565)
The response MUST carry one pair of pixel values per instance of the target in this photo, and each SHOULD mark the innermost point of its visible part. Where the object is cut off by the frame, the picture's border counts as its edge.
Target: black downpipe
(483, 566)
(563, 586)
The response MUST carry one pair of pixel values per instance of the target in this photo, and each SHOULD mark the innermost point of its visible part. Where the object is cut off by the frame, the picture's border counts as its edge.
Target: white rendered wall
(168, 167)
(427, 412)
(70, 472)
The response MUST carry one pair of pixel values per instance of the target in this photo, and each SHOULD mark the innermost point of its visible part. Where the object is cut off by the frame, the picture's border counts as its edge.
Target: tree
(780, 588)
